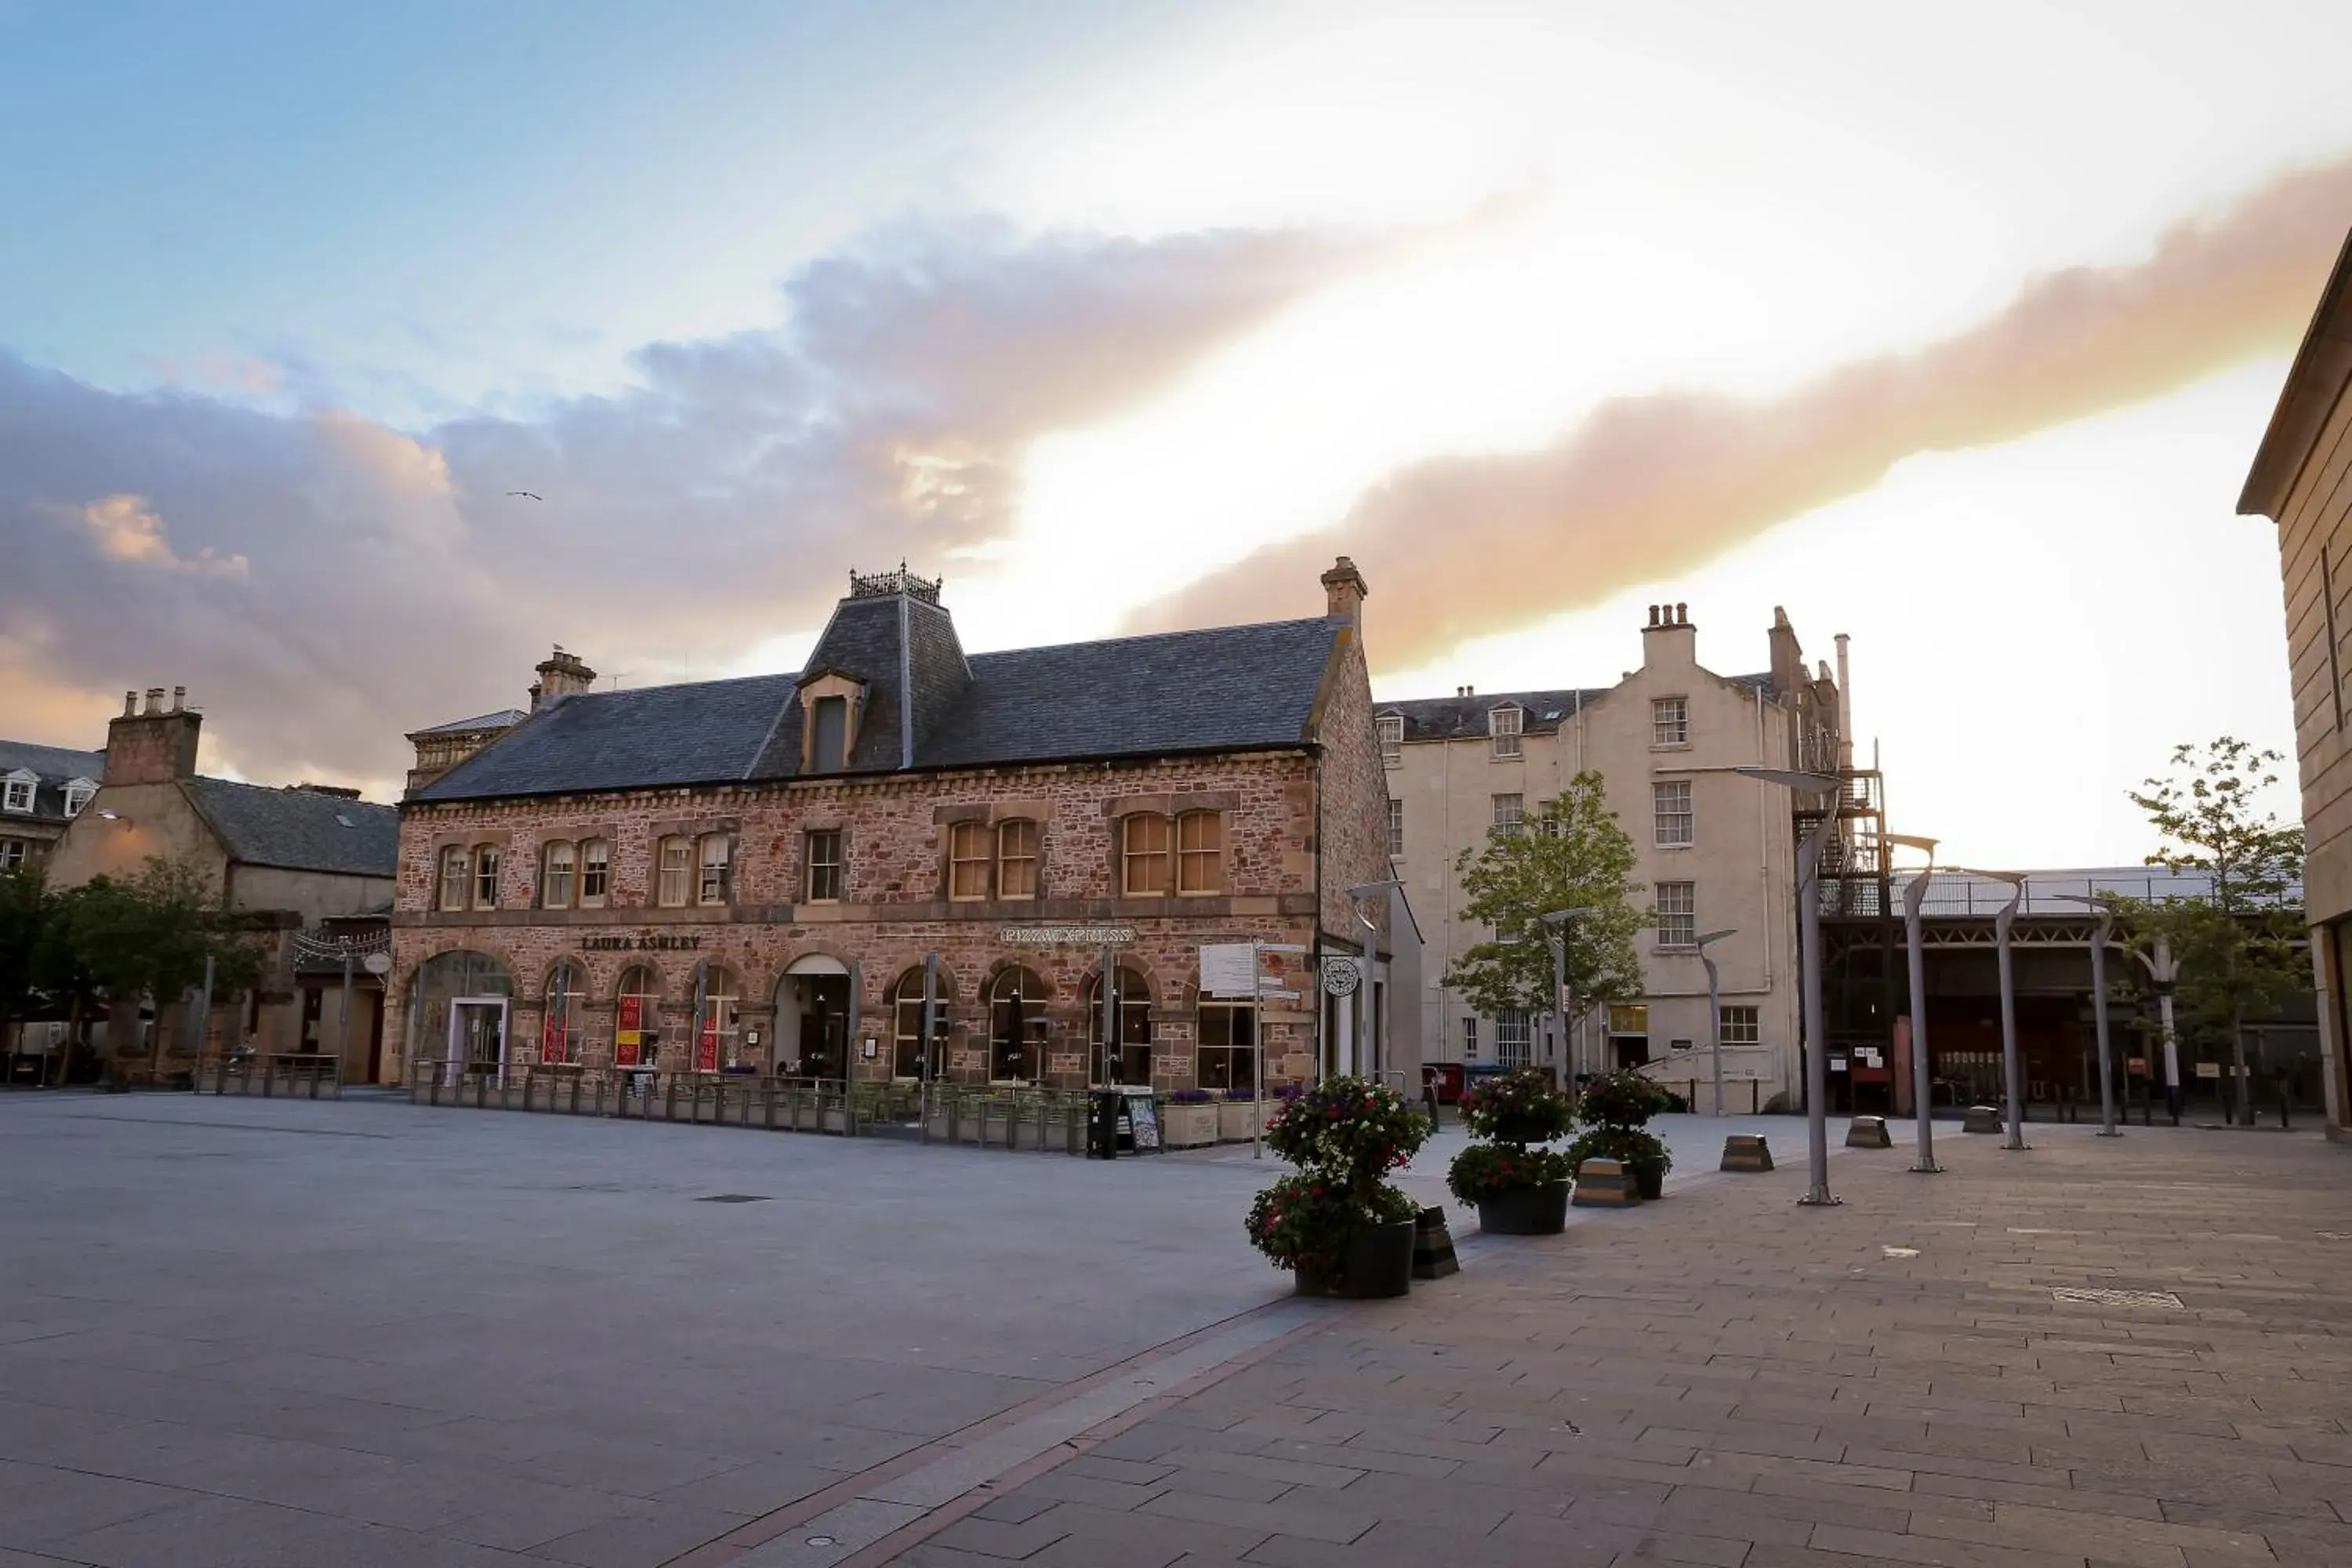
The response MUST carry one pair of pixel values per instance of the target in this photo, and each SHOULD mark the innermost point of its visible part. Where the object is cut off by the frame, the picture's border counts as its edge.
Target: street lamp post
(2107, 1128)
(2012, 1091)
(1715, 1008)
(1914, 900)
(2164, 973)
(1809, 935)
(1555, 939)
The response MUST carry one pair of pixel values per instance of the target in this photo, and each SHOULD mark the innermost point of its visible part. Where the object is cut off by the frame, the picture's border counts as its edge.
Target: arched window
(1132, 1000)
(1143, 854)
(1227, 1055)
(441, 982)
(1016, 858)
(968, 861)
(718, 1032)
(907, 1026)
(555, 874)
(486, 877)
(1017, 1031)
(717, 881)
(566, 1012)
(636, 1019)
(1200, 852)
(671, 859)
(595, 872)
(455, 872)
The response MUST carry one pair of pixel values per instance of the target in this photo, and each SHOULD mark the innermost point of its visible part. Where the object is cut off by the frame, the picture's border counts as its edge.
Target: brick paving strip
(1725, 1379)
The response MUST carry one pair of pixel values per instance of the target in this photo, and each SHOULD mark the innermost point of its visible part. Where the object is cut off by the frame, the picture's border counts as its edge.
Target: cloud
(350, 582)
(1650, 485)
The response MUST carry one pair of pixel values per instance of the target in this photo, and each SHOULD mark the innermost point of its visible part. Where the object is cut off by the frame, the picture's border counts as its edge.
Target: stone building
(42, 790)
(751, 875)
(2299, 481)
(1715, 850)
(285, 858)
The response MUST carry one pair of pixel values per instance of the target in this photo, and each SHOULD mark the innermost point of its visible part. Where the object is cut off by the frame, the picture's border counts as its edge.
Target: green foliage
(1303, 1221)
(1621, 1100)
(1346, 1136)
(1570, 855)
(1517, 1107)
(1630, 1144)
(2237, 947)
(1485, 1171)
(112, 939)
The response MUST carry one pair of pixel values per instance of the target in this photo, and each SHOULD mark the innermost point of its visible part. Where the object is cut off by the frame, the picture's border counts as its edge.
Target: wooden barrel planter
(1526, 1211)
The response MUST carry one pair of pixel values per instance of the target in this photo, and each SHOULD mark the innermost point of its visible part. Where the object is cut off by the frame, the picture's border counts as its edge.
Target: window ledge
(1674, 846)
(1674, 947)
(1670, 745)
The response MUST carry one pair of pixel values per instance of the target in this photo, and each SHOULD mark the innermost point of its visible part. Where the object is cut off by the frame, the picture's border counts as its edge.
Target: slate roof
(1464, 718)
(1248, 687)
(298, 829)
(54, 767)
(504, 719)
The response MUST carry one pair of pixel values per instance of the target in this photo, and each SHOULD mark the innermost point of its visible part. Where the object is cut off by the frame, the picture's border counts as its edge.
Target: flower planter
(1520, 1129)
(1648, 1178)
(1237, 1120)
(1377, 1262)
(1526, 1211)
(1188, 1125)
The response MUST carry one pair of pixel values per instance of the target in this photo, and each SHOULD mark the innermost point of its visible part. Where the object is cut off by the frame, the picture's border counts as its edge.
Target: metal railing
(308, 1075)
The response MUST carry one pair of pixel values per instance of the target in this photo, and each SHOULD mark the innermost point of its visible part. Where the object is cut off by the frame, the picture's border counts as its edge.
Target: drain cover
(735, 1198)
(2164, 1298)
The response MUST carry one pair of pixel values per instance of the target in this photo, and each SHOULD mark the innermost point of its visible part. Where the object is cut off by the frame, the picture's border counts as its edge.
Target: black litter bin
(1104, 1110)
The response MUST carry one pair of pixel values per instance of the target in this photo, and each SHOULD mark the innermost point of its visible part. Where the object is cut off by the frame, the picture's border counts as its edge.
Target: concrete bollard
(1433, 1246)
(1605, 1184)
(1745, 1152)
(1983, 1119)
(1867, 1133)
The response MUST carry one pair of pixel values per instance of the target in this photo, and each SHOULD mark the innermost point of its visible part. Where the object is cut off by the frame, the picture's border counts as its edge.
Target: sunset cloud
(1650, 485)
(126, 530)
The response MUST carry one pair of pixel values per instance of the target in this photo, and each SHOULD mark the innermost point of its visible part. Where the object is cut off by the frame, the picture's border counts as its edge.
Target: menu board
(1143, 1119)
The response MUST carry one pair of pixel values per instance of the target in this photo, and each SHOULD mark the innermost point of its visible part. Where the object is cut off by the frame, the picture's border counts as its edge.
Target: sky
(1953, 329)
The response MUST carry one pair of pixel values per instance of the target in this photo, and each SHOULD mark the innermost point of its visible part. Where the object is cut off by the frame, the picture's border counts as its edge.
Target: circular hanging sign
(377, 963)
(1340, 976)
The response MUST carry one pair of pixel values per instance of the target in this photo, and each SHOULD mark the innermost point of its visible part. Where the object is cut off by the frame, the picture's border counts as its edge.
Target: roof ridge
(1155, 636)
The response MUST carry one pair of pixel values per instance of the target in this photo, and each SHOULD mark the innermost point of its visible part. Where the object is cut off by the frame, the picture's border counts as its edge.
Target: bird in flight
(526, 495)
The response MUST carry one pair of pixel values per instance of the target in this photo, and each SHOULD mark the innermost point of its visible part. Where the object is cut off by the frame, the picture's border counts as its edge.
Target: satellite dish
(378, 963)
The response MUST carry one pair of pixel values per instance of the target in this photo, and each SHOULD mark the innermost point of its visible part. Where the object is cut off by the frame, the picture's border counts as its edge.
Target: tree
(1571, 854)
(2236, 944)
(150, 936)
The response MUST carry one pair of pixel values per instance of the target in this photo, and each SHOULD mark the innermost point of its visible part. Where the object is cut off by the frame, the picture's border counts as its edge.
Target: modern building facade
(42, 790)
(771, 874)
(2299, 480)
(1717, 850)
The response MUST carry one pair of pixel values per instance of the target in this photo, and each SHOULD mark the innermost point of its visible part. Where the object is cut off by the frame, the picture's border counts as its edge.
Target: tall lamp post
(2011, 1089)
(2107, 1128)
(2164, 973)
(1915, 898)
(1713, 1007)
(1357, 895)
(1809, 936)
(1555, 939)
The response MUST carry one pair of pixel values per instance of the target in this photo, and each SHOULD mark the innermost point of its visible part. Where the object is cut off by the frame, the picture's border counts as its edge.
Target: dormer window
(830, 743)
(1391, 739)
(78, 794)
(16, 792)
(1503, 726)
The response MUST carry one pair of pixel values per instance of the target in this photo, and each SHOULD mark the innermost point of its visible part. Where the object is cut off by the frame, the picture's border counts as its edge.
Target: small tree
(1571, 854)
(150, 936)
(2236, 945)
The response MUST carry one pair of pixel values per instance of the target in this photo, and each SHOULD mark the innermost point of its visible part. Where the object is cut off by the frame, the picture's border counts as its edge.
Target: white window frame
(1669, 722)
(78, 793)
(1674, 821)
(1508, 819)
(486, 877)
(453, 879)
(1392, 729)
(714, 870)
(838, 865)
(670, 890)
(13, 853)
(1505, 725)
(17, 796)
(1749, 1031)
(1678, 927)
(1470, 1039)
(596, 858)
(559, 871)
(1396, 828)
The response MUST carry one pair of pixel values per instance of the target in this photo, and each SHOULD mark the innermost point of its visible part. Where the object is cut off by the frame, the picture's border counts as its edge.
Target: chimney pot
(1682, 615)
(130, 704)
(155, 700)
(1653, 614)
(179, 697)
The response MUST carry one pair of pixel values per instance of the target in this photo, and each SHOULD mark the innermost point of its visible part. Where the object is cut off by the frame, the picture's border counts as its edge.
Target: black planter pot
(1648, 1178)
(1521, 1129)
(1526, 1211)
(1376, 1262)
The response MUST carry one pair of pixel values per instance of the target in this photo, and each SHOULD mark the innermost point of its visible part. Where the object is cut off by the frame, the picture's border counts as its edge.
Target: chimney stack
(149, 745)
(1669, 640)
(561, 674)
(1344, 593)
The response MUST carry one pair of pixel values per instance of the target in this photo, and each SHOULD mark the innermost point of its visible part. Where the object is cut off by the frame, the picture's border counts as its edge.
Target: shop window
(716, 880)
(1131, 1001)
(1227, 1054)
(1016, 858)
(567, 1010)
(486, 877)
(907, 1027)
(1017, 1029)
(718, 1033)
(825, 866)
(595, 872)
(636, 1014)
(1144, 855)
(555, 875)
(968, 861)
(455, 871)
(1200, 852)
(670, 861)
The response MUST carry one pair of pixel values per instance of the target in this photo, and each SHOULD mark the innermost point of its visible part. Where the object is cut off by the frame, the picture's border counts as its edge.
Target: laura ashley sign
(643, 942)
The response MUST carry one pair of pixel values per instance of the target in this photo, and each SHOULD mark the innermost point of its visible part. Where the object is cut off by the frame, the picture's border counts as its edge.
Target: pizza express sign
(644, 942)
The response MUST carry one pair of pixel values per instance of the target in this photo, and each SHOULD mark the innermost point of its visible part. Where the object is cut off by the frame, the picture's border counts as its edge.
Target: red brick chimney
(154, 745)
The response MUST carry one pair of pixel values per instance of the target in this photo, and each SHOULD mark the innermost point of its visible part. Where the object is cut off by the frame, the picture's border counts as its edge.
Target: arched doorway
(1130, 1064)
(1017, 1028)
(458, 1013)
(813, 1018)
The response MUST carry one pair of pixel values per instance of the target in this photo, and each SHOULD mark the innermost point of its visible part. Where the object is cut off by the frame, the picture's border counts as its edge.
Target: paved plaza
(252, 1332)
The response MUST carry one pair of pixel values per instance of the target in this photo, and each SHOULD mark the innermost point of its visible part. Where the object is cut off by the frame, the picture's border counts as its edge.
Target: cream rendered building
(1714, 850)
